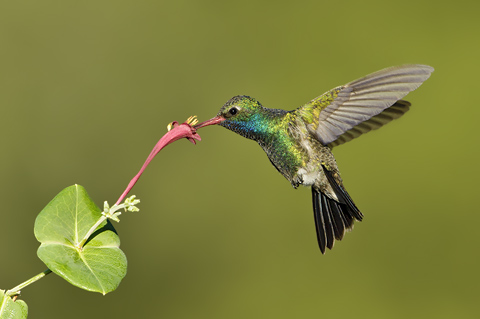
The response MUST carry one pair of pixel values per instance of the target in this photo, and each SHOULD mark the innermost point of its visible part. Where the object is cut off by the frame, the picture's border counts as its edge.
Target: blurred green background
(88, 87)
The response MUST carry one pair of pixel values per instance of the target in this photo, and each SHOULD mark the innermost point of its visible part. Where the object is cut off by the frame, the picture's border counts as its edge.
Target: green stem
(110, 212)
(91, 231)
(16, 290)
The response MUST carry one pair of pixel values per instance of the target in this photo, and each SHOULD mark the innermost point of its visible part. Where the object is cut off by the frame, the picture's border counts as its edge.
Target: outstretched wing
(386, 116)
(336, 114)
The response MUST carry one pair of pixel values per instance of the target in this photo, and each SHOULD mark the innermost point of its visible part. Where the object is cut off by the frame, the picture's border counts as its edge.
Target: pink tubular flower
(176, 131)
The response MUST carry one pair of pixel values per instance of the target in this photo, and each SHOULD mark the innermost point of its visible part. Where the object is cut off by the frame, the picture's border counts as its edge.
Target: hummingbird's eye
(233, 111)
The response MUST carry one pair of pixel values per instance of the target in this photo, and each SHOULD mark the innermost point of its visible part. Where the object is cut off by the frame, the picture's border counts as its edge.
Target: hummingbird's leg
(297, 181)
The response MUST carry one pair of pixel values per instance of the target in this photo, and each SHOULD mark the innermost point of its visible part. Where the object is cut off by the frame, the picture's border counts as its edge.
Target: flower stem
(175, 132)
(16, 290)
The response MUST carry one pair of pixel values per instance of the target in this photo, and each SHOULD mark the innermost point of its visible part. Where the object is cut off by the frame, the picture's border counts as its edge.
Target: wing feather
(393, 112)
(342, 110)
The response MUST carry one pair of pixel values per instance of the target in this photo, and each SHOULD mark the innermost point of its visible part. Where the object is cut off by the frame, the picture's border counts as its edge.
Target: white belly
(308, 178)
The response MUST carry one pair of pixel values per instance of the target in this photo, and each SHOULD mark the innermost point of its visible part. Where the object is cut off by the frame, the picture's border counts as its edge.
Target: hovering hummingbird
(299, 143)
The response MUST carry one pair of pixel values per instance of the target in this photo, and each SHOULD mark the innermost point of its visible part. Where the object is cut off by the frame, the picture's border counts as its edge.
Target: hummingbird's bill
(212, 121)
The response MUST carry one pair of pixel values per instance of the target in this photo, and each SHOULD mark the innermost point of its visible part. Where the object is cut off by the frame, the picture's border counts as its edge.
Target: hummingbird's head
(239, 109)
(246, 116)
(243, 115)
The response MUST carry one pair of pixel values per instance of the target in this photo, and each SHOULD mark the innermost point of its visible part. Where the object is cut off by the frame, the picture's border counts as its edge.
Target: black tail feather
(327, 220)
(319, 223)
(337, 220)
(342, 195)
(333, 218)
(348, 218)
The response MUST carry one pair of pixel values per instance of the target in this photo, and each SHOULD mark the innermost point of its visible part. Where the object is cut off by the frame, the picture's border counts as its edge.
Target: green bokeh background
(88, 87)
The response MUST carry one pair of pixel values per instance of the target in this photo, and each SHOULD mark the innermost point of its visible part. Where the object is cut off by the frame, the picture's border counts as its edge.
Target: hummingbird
(299, 143)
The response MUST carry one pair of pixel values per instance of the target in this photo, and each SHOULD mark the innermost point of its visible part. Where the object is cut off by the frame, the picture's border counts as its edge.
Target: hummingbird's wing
(340, 110)
(392, 113)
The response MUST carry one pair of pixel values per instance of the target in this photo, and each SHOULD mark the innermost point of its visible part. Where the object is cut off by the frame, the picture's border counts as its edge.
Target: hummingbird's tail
(333, 217)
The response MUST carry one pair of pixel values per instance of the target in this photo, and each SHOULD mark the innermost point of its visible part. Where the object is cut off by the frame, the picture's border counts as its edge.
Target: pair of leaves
(99, 265)
(96, 264)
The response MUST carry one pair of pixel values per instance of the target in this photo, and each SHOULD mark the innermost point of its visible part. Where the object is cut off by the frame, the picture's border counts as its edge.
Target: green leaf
(10, 309)
(99, 265)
